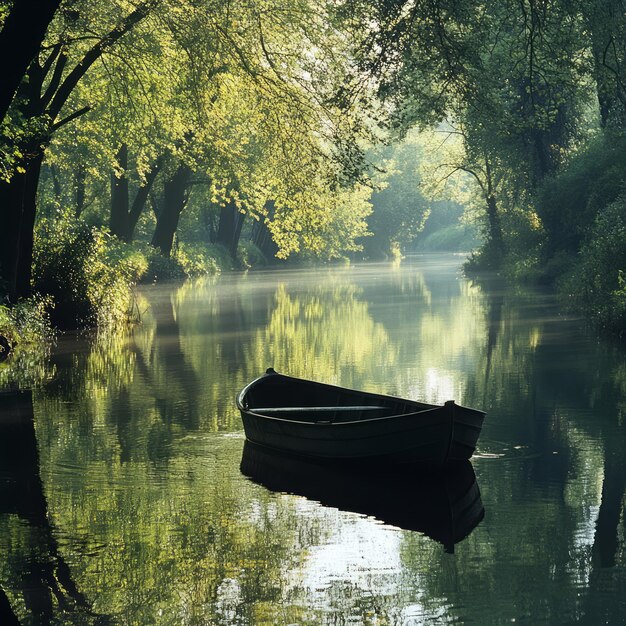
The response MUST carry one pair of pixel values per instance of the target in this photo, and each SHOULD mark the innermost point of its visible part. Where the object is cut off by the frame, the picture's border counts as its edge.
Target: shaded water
(122, 500)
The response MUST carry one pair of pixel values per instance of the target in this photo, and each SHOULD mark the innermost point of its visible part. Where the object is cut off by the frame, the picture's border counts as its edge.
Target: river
(122, 500)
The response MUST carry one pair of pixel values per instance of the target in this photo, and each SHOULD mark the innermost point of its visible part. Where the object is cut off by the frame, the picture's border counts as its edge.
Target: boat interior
(305, 401)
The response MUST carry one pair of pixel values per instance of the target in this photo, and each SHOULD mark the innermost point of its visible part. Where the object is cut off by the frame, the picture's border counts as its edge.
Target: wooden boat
(329, 422)
(444, 505)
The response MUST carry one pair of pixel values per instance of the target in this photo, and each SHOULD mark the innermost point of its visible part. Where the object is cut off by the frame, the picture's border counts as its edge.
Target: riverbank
(85, 278)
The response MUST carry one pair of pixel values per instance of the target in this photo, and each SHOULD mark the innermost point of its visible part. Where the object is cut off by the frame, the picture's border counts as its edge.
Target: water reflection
(445, 505)
(38, 571)
(126, 498)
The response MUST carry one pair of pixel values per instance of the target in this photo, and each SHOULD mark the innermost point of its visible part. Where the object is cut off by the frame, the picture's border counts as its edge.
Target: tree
(399, 209)
(23, 30)
(227, 95)
(40, 102)
(606, 27)
(508, 76)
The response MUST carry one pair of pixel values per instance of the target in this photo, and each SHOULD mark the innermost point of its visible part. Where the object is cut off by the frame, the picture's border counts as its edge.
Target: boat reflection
(446, 505)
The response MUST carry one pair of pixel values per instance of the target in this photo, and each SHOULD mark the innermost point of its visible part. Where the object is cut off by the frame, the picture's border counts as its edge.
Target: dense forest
(157, 139)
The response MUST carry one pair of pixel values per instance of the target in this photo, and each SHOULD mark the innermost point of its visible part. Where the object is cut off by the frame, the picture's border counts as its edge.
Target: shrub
(597, 283)
(25, 335)
(27, 321)
(187, 260)
(487, 258)
(450, 238)
(198, 259)
(249, 255)
(88, 273)
(569, 202)
(161, 267)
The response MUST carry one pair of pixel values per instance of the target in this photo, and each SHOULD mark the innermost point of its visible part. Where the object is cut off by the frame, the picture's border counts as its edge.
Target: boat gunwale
(260, 379)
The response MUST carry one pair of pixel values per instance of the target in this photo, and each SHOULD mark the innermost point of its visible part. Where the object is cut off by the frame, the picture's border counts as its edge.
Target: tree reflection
(326, 333)
(38, 569)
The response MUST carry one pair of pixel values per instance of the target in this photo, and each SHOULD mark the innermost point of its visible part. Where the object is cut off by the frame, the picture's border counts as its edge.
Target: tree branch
(20, 39)
(142, 196)
(462, 168)
(71, 117)
(51, 58)
(56, 78)
(92, 55)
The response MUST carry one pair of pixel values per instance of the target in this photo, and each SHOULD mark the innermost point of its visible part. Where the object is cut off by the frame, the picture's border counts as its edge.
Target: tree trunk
(20, 40)
(11, 194)
(209, 217)
(229, 229)
(27, 234)
(239, 220)
(261, 235)
(495, 240)
(175, 195)
(118, 221)
(18, 197)
(56, 183)
(605, 22)
(140, 200)
(124, 217)
(18, 208)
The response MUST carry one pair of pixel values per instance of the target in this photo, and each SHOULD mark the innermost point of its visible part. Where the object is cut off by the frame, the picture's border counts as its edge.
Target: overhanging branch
(92, 55)
(71, 117)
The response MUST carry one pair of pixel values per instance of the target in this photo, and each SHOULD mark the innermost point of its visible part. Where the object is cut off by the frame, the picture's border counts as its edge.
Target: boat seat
(315, 409)
(326, 414)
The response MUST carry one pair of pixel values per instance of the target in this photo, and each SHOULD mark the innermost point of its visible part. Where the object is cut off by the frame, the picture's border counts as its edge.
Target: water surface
(122, 500)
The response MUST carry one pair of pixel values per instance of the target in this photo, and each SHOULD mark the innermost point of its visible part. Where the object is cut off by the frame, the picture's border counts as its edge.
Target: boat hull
(419, 433)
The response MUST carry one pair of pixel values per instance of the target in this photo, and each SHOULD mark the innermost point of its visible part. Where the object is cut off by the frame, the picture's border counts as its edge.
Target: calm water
(122, 500)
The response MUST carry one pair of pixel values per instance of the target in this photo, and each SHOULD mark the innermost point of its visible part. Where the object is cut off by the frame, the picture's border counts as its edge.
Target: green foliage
(597, 283)
(249, 255)
(451, 238)
(326, 224)
(447, 228)
(27, 322)
(161, 267)
(512, 91)
(26, 327)
(88, 273)
(268, 107)
(485, 259)
(197, 259)
(226, 96)
(569, 202)
(189, 260)
(399, 209)
(504, 85)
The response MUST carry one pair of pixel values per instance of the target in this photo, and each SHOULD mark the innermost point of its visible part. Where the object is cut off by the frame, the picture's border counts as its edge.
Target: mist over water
(126, 504)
